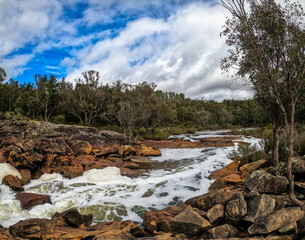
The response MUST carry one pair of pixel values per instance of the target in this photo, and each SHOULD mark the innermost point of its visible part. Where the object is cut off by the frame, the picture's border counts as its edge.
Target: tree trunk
(276, 143)
(290, 133)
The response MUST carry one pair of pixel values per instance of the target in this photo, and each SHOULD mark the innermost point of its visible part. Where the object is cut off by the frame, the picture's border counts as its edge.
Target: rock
(2, 158)
(250, 167)
(264, 182)
(298, 167)
(258, 205)
(87, 159)
(114, 235)
(210, 199)
(167, 236)
(25, 176)
(30, 229)
(149, 151)
(290, 228)
(224, 231)
(236, 208)
(189, 222)
(127, 150)
(225, 171)
(276, 220)
(29, 200)
(159, 220)
(299, 187)
(132, 173)
(13, 182)
(81, 147)
(56, 146)
(233, 178)
(23, 160)
(74, 219)
(144, 162)
(5, 234)
(8, 169)
(218, 184)
(124, 226)
(216, 213)
(107, 151)
(36, 173)
(73, 171)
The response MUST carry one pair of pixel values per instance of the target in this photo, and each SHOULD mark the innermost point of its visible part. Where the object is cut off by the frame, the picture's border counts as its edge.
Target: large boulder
(258, 205)
(210, 199)
(13, 182)
(107, 151)
(236, 208)
(74, 219)
(225, 171)
(264, 182)
(276, 220)
(81, 147)
(216, 213)
(298, 167)
(224, 231)
(149, 151)
(25, 176)
(29, 200)
(250, 167)
(156, 221)
(20, 159)
(189, 222)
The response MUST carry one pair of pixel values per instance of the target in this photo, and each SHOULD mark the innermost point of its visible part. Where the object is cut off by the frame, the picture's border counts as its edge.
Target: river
(178, 175)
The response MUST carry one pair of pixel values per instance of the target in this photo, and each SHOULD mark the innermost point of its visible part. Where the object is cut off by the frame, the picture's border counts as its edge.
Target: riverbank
(192, 219)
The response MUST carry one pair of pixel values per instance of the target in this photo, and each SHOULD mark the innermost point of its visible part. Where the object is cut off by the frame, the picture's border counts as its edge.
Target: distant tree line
(132, 108)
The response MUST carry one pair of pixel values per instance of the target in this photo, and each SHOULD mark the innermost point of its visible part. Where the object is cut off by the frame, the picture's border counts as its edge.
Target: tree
(268, 48)
(86, 99)
(47, 95)
(2, 74)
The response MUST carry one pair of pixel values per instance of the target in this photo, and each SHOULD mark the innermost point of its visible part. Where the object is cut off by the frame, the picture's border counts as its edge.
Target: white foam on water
(107, 195)
(108, 174)
(8, 169)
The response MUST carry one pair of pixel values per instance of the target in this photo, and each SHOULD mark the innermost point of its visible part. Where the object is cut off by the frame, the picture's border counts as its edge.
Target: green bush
(59, 119)
(248, 153)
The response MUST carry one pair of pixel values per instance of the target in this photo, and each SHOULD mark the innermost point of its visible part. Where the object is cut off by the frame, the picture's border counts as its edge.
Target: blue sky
(173, 43)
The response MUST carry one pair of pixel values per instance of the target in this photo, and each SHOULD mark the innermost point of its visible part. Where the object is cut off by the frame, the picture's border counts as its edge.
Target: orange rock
(149, 151)
(107, 151)
(156, 221)
(250, 167)
(218, 184)
(13, 182)
(26, 176)
(86, 159)
(81, 147)
(225, 171)
(2, 158)
(233, 178)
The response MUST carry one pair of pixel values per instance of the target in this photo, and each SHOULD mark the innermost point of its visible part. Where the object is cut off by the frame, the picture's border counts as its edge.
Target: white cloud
(179, 54)
(15, 65)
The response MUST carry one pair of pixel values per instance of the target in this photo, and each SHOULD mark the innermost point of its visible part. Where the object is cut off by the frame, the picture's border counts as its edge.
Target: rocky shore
(245, 202)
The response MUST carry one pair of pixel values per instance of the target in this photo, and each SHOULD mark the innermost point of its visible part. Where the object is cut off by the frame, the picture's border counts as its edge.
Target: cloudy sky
(173, 43)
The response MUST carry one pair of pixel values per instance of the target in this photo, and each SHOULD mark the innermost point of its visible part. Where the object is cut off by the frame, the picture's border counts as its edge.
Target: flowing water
(178, 175)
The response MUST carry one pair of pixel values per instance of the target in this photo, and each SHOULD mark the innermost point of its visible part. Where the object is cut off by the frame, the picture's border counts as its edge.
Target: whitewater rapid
(179, 175)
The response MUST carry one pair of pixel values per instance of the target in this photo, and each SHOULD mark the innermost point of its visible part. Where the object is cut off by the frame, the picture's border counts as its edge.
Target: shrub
(248, 153)
(59, 119)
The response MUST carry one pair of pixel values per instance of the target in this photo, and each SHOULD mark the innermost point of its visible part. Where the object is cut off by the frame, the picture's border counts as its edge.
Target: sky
(175, 44)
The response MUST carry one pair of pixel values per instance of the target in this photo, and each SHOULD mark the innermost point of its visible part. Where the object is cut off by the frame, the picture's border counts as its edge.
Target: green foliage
(247, 152)
(299, 143)
(58, 119)
(267, 143)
